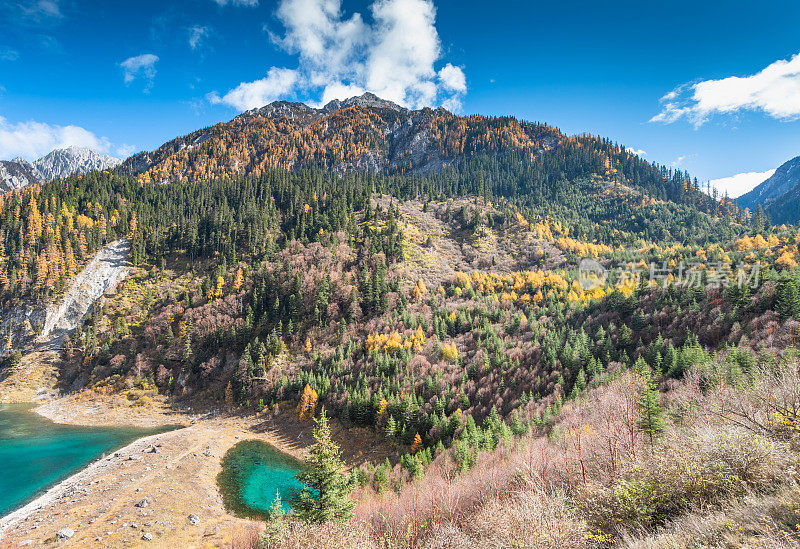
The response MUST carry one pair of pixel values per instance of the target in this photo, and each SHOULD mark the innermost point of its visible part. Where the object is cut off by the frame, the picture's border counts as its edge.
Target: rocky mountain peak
(18, 173)
(367, 99)
(67, 161)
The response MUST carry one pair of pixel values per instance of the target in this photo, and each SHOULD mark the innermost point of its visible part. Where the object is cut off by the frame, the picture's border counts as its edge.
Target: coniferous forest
(442, 309)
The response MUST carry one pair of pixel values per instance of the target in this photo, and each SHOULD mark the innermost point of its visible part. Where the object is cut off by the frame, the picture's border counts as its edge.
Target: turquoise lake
(253, 472)
(36, 453)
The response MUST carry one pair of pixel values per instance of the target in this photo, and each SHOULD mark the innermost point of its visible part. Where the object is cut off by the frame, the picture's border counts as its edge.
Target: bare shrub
(247, 538)
(530, 518)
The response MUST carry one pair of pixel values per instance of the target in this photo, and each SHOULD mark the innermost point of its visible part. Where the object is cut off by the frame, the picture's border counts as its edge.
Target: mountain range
(360, 133)
(364, 133)
(18, 173)
(779, 195)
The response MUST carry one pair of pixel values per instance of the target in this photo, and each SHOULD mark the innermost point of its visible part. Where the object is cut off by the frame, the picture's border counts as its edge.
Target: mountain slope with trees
(414, 273)
(779, 195)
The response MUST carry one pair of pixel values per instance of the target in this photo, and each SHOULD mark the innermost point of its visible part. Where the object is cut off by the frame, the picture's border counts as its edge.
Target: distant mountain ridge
(360, 133)
(18, 173)
(779, 195)
(63, 162)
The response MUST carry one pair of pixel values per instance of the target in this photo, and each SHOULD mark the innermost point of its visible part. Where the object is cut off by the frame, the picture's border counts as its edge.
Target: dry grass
(724, 475)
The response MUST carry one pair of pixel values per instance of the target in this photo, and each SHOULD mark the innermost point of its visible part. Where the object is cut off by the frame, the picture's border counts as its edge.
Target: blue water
(253, 472)
(36, 453)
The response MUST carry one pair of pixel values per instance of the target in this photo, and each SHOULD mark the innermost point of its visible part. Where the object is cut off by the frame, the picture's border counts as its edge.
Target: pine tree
(325, 491)
(277, 520)
(391, 428)
(651, 419)
(787, 302)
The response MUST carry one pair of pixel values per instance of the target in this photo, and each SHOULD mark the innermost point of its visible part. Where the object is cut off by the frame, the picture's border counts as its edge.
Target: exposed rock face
(102, 273)
(18, 173)
(64, 162)
(364, 133)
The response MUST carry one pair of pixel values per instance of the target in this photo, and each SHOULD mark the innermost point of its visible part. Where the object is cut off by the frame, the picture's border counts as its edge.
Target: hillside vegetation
(442, 308)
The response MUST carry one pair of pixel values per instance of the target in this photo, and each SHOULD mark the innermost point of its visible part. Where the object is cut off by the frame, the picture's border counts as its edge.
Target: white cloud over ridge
(141, 65)
(32, 139)
(737, 185)
(393, 56)
(775, 91)
(252, 93)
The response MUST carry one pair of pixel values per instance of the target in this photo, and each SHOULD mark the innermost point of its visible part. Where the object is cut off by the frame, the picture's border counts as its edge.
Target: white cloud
(453, 78)
(124, 151)
(339, 91)
(32, 139)
(248, 95)
(141, 65)
(637, 152)
(393, 56)
(245, 3)
(678, 161)
(775, 91)
(737, 185)
(7, 54)
(197, 34)
(37, 10)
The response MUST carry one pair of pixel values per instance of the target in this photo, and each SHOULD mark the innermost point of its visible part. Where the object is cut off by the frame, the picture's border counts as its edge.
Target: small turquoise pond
(36, 453)
(253, 472)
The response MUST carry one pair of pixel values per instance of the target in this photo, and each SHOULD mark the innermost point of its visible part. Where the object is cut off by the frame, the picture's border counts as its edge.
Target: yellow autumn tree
(449, 352)
(382, 409)
(417, 445)
(41, 271)
(229, 394)
(786, 261)
(102, 227)
(69, 260)
(239, 280)
(419, 290)
(82, 246)
(307, 406)
(182, 328)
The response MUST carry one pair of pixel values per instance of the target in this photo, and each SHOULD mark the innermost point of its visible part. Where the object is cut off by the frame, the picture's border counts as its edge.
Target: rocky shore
(161, 490)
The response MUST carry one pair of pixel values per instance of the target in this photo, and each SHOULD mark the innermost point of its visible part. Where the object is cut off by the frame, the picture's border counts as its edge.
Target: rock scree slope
(103, 273)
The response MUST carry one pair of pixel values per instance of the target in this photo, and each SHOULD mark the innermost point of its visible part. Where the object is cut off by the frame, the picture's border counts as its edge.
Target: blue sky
(128, 76)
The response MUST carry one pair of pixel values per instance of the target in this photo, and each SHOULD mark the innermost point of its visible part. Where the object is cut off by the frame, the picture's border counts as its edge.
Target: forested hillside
(415, 273)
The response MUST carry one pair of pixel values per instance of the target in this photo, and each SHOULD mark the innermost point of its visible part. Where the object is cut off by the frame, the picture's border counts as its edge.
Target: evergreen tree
(276, 524)
(391, 428)
(324, 495)
(787, 302)
(651, 419)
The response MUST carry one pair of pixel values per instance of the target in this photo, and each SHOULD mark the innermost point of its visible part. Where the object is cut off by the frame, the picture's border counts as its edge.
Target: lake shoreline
(175, 471)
